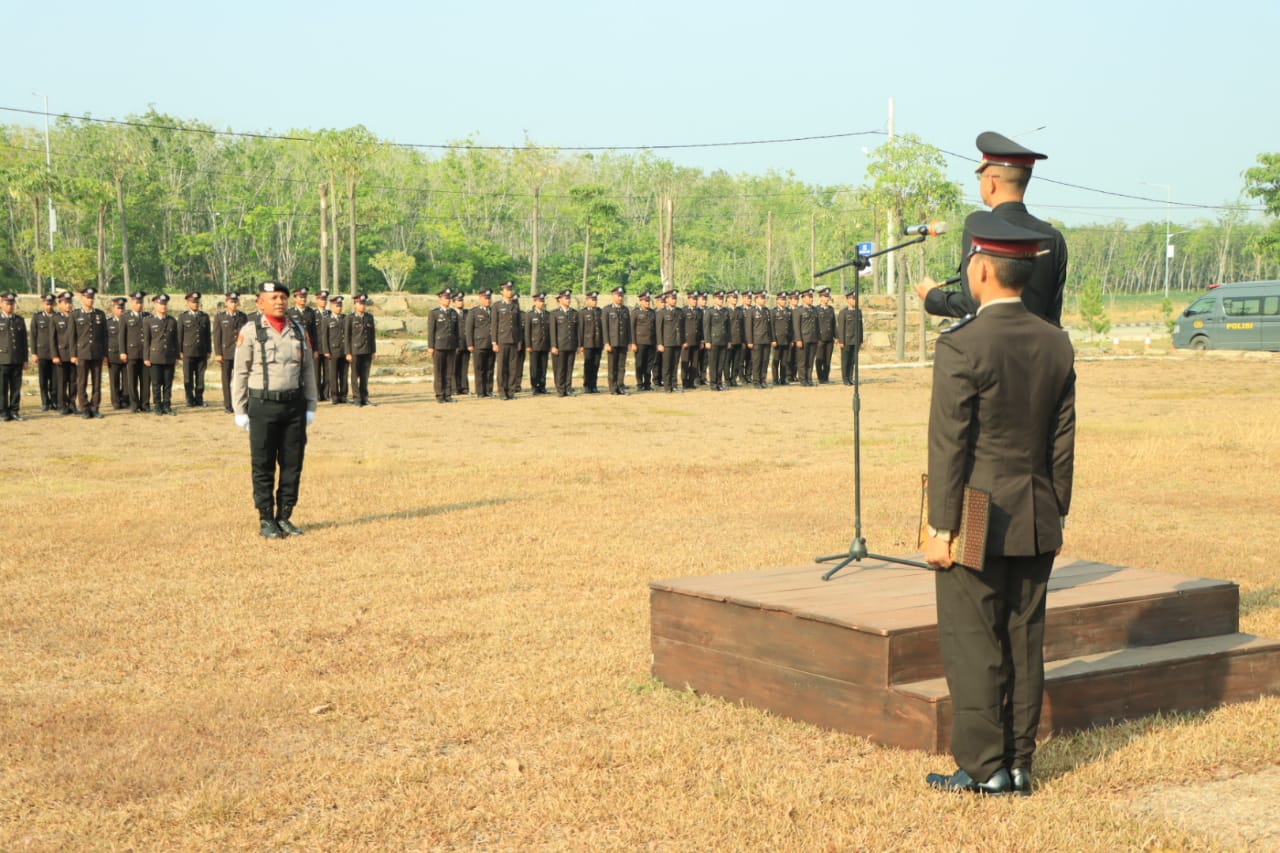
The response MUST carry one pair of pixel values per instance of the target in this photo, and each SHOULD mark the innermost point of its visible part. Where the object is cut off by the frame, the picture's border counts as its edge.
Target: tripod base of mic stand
(857, 553)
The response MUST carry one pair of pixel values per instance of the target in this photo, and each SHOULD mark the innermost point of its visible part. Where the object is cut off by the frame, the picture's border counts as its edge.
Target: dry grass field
(456, 654)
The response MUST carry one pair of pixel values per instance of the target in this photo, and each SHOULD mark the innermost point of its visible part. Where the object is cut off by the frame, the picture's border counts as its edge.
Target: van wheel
(1199, 342)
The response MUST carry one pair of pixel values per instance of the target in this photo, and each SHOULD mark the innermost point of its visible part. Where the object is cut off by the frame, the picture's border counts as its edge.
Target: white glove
(311, 416)
(242, 422)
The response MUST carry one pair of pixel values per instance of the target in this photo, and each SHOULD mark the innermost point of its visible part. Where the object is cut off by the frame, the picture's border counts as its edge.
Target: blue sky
(1127, 93)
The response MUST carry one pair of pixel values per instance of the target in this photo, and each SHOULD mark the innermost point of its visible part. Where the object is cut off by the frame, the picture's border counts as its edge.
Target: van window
(1203, 305)
(1240, 306)
(1271, 306)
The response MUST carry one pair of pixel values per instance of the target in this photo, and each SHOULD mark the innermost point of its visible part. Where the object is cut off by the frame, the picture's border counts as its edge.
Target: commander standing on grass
(273, 393)
(1002, 419)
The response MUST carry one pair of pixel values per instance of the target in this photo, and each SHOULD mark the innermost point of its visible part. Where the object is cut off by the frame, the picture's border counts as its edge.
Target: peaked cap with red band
(991, 235)
(1000, 150)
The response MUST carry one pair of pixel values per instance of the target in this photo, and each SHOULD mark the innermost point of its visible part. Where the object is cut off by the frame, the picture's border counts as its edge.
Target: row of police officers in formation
(736, 339)
(141, 350)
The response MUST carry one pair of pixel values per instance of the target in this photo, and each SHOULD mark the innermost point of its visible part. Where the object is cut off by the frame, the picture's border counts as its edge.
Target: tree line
(157, 202)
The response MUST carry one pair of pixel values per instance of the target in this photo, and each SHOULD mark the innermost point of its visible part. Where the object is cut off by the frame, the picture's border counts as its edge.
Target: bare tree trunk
(813, 245)
(923, 351)
(768, 253)
(333, 233)
(124, 232)
(35, 242)
(351, 227)
(324, 236)
(586, 257)
(102, 247)
(537, 242)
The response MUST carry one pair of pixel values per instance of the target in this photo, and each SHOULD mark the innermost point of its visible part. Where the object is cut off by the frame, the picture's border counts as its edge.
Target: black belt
(276, 396)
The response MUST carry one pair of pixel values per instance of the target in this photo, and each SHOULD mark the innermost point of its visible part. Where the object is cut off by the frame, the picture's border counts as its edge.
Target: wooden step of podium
(1096, 689)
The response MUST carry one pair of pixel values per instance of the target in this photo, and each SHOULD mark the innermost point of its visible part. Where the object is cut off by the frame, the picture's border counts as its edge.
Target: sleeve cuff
(935, 533)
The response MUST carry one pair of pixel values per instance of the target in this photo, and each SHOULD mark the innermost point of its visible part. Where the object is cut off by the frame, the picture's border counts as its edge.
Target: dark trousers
(781, 364)
(193, 368)
(689, 367)
(89, 384)
(991, 635)
(10, 389)
(442, 373)
(670, 359)
(562, 368)
(228, 367)
(360, 366)
(717, 364)
(322, 378)
(733, 363)
(591, 368)
(339, 364)
(805, 358)
(115, 382)
(618, 369)
(46, 376)
(137, 381)
(822, 359)
(461, 364)
(508, 369)
(519, 377)
(760, 363)
(162, 386)
(704, 359)
(277, 440)
(848, 357)
(645, 365)
(66, 380)
(482, 359)
(538, 370)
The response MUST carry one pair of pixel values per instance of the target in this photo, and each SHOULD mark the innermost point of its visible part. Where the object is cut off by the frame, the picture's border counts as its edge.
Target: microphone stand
(858, 547)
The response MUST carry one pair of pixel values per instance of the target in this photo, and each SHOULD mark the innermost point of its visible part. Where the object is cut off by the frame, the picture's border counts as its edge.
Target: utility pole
(1168, 245)
(48, 166)
(768, 254)
(533, 261)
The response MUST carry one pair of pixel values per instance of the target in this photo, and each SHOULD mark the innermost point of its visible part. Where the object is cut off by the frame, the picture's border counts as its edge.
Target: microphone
(931, 229)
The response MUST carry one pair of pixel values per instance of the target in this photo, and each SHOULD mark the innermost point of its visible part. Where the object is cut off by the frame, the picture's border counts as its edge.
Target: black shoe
(168, 410)
(1021, 779)
(87, 414)
(999, 785)
(367, 403)
(16, 417)
(45, 408)
(227, 411)
(268, 528)
(97, 414)
(288, 528)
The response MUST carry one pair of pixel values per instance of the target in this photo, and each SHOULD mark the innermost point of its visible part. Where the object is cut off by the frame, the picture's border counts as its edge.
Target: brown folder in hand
(969, 545)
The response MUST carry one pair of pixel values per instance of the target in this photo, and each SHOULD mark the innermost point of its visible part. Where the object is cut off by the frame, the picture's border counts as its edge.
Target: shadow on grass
(408, 514)
(1259, 599)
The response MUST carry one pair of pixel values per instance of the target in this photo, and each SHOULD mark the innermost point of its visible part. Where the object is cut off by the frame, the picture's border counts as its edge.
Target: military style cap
(337, 300)
(64, 297)
(47, 299)
(621, 291)
(301, 291)
(8, 297)
(719, 294)
(445, 294)
(89, 292)
(564, 294)
(161, 297)
(233, 297)
(1000, 150)
(994, 236)
(485, 292)
(193, 296)
(323, 294)
(271, 287)
(506, 285)
(118, 301)
(138, 295)
(782, 294)
(363, 298)
(824, 291)
(592, 294)
(644, 297)
(852, 294)
(539, 297)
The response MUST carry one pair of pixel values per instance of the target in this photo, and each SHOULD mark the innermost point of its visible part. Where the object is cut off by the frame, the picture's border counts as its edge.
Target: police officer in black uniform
(115, 367)
(88, 349)
(782, 358)
(303, 314)
(616, 327)
(591, 342)
(760, 340)
(443, 332)
(644, 341)
(849, 335)
(43, 350)
(565, 340)
(160, 353)
(717, 329)
(670, 335)
(690, 362)
(737, 345)
(226, 328)
(804, 327)
(508, 341)
(334, 341)
(462, 356)
(137, 377)
(13, 357)
(478, 333)
(63, 351)
(362, 347)
(274, 397)
(322, 364)
(537, 343)
(826, 335)
(195, 342)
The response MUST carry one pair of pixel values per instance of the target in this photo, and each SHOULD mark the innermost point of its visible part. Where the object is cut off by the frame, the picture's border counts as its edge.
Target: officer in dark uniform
(461, 357)
(274, 397)
(670, 334)
(1002, 419)
(591, 342)
(362, 347)
(717, 327)
(644, 340)
(508, 341)
(322, 364)
(1003, 176)
(160, 352)
(537, 342)
(115, 367)
(137, 378)
(63, 352)
(565, 340)
(443, 332)
(616, 329)
(195, 342)
(804, 329)
(760, 340)
(303, 314)
(88, 349)
(782, 358)
(737, 342)
(826, 335)
(226, 328)
(13, 357)
(480, 343)
(690, 363)
(43, 350)
(335, 352)
(849, 335)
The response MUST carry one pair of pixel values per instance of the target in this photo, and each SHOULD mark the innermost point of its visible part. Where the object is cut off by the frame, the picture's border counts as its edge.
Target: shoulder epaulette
(959, 324)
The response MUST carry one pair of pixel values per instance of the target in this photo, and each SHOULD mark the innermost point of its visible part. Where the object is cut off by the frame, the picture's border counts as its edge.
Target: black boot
(288, 528)
(269, 529)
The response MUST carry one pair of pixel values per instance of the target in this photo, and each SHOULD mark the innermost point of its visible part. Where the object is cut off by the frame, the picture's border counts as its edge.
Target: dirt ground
(455, 655)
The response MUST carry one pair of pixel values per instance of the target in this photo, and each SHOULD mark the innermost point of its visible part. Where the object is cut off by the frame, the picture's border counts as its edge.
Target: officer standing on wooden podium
(274, 396)
(1002, 419)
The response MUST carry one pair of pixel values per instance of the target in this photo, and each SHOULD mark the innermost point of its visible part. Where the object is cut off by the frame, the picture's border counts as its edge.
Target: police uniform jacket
(132, 332)
(644, 326)
(62, 335)
(479, 328)
(692, 326)
(41, 336)
(565, 329)
(114, 326)
(537, 330)
(443, 331)
(590, 328)
(194, 335)
(849, 328)
(1002, 419)
(508, 328)
(717, 326)
(361, 336)
(826, 323)
(760, 326)
(89, 334)
(13, 339)
(1042, 294)
(463, 314)
(288, 365)
(615, 321)
(737, 325)
(160, 339)
(333, 337)
(225, 328)
(306, 318)
(782, 326)
(669, 328)
(804, 321)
